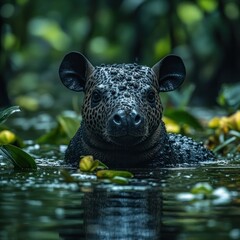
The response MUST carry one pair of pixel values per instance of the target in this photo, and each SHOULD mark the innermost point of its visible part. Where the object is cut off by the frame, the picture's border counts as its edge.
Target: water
(156, 204)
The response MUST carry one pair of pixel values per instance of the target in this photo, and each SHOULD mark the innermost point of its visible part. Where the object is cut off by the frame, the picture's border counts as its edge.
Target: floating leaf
(4, 114)
(113, 173)
(120, 180)
(19, 158)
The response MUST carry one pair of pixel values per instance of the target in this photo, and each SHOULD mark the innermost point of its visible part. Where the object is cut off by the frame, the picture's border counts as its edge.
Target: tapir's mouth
(126, 140)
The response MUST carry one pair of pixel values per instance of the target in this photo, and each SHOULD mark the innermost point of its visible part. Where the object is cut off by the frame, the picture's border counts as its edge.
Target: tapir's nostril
(117, 119)
(137, 119)
(126, 120)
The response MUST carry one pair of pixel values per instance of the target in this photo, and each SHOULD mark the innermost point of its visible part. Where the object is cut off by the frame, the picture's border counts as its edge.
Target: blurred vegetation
(225, 137)
(35, 35)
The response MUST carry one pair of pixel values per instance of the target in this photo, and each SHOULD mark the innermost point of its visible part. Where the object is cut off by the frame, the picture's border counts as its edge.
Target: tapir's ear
(74, 71)
(170, 72)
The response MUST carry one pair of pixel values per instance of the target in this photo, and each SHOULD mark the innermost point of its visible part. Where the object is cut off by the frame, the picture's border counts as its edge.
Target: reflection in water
(119, 215)
(40, 205)
(123, 215)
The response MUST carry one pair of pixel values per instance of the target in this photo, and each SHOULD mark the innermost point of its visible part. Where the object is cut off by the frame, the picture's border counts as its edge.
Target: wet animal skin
(122, 114)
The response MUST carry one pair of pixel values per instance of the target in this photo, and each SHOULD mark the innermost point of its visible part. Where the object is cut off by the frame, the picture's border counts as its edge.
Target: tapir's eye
(151, 96)
(96, 97)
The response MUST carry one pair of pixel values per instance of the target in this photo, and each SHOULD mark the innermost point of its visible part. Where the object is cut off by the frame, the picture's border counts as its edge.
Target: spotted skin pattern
(122, 114)
(118, 85)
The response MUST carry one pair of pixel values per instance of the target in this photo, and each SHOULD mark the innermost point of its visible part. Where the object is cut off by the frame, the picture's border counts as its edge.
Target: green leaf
(98, 165)
(183, 117)
(181, 98)
(4, 114)
(19, 158)
(113, 173)
(66, 127)
(229, 97)
(224, 144)
(69, 125)
(120, 180)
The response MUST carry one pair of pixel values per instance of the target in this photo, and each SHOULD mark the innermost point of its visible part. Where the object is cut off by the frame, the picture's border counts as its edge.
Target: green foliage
(162, 46)
(68, 124)
(4, 114)
(35, 37)
(38, 36)
(7, 136)
(189, 13)
(63, 132)
(229, 97)
(50, 31)
(178, 119)
(19, 158)
(181, 99)
(208, 6)
(182, 117)
(110, 174)
(225, 138)
(231, 143)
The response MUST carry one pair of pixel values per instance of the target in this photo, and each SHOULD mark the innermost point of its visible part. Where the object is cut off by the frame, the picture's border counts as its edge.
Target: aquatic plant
(19, 158)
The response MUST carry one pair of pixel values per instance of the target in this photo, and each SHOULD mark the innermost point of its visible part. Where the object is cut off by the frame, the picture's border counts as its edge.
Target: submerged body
(122, 114)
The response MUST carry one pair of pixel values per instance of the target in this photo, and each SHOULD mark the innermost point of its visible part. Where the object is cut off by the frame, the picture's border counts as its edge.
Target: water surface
(156, 204)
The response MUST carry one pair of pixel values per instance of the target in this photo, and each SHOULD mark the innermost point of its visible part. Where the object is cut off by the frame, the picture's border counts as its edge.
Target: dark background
(35, 35)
